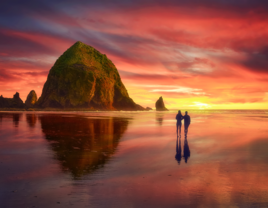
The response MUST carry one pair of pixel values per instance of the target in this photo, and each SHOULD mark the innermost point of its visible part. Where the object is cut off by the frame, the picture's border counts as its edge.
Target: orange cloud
(213, 54)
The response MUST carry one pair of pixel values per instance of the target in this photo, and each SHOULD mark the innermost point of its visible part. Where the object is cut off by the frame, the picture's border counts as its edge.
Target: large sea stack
(159, 105)
(84, 78)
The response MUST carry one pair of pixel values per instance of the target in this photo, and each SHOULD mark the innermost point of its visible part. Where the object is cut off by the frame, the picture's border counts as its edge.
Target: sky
(204, 54)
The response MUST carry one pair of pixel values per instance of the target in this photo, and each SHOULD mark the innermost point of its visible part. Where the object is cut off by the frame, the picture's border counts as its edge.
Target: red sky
(196, 54)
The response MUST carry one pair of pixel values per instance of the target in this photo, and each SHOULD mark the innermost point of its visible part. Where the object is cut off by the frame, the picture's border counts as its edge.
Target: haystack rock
(14, 102)
(84, 78)
(159, 105)
(31, 99)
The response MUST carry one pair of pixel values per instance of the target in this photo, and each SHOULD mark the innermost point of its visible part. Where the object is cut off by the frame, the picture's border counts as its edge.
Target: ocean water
(133, 159)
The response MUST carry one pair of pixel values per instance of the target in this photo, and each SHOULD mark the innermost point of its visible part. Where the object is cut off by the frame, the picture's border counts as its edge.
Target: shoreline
(65, 109)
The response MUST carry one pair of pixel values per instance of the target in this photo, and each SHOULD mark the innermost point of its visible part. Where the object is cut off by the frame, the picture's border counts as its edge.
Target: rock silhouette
(159, 105)
(14, 102)
(84, 78)
(31, 99)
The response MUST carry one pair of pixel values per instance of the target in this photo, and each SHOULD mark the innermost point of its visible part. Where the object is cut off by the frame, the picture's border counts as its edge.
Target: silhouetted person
(178, 148)
(187, 121)
(179, 117)
(186, 149)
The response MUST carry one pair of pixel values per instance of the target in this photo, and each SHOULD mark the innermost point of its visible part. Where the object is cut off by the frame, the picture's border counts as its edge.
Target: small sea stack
(159, 105)
(31, 99)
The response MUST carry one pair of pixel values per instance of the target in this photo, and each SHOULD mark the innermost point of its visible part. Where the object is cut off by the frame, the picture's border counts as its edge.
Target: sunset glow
(199, 54)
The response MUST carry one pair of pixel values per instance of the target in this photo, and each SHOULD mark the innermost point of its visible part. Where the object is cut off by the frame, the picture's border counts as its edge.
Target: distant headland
(82, 78)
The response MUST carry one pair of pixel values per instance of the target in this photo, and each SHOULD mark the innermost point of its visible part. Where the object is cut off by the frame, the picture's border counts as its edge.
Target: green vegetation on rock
(84, 78)
(31, 99)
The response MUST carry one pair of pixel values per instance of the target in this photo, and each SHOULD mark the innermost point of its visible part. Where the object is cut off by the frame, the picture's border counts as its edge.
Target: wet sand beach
(133, 159)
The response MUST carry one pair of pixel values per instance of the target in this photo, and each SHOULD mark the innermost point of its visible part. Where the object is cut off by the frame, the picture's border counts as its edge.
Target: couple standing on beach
(186, 149)
(187, 120)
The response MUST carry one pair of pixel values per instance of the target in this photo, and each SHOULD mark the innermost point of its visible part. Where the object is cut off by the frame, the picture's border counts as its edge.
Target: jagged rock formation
(159, 105)
(84, 78)
(14, 102)
(31, 99)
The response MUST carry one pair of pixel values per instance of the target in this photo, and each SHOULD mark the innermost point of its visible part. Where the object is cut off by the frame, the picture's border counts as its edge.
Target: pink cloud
(212, 48)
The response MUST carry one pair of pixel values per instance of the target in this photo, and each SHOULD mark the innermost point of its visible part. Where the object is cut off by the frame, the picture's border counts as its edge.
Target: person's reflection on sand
(82, 145)
(186, 149)
(178, 147)
(31, 120)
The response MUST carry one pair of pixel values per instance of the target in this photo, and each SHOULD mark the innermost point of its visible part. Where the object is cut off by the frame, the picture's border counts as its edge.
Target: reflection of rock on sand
(31, 119)
(82, 144)
(159, 119)
(16, 117)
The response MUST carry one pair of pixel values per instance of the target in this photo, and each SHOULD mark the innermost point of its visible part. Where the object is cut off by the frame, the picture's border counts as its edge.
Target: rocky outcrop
(14, 102)
(31, 99)
(148, 108)
(84, 78)
(159, 105)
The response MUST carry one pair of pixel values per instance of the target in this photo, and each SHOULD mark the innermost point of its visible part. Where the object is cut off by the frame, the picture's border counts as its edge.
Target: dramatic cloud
(208, 53)
(6, 77)
(257, 60)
